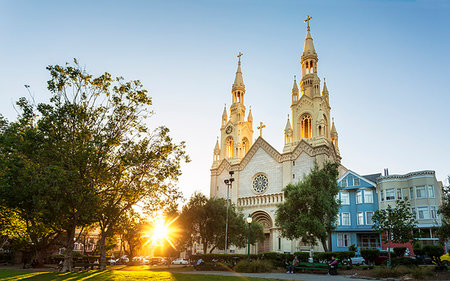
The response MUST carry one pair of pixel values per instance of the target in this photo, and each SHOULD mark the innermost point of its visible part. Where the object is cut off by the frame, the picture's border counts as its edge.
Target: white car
(358, 260)
(180, 261)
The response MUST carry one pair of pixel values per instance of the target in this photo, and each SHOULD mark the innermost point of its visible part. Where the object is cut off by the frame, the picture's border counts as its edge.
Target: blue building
(359, 201)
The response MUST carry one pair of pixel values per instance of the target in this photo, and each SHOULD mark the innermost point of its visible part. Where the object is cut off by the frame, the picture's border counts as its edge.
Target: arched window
(229, 147)
(305, 126)
(325, 127)
(245, 146)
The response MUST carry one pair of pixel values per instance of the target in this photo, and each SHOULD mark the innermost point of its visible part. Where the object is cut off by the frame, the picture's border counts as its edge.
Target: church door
(264, 246)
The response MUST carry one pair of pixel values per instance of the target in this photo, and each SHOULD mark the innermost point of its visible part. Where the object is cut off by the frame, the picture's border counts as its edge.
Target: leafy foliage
(310, 208)
(370, 255)
(434, 252)
(86, 156)
(205, 219)
(396, 223)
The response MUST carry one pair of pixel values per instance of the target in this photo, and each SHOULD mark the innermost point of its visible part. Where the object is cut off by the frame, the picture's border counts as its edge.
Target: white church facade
(260, 171)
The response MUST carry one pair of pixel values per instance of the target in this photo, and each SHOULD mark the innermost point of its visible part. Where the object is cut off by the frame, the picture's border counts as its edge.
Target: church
(260, 171)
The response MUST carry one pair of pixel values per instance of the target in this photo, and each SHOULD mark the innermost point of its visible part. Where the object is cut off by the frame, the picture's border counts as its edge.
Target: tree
(130, 229)
(310, 208)
(87, 156)
(26, 183)
(396, 223)
(444, 211)
(205, 219)
(130, 164)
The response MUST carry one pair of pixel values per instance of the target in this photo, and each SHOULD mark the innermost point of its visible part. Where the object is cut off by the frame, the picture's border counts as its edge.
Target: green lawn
(115, 275)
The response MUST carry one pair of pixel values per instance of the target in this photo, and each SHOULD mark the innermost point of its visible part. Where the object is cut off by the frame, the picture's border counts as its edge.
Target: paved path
(284, 276)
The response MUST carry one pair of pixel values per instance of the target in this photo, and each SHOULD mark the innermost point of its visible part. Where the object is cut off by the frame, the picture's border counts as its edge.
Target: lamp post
(249, 221)
(228, 182)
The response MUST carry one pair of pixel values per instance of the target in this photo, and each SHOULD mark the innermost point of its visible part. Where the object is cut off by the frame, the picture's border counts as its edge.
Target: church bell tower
(236, 132)
(311, 110)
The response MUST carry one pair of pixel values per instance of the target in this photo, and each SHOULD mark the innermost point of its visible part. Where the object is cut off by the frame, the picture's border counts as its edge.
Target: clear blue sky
(386, 64)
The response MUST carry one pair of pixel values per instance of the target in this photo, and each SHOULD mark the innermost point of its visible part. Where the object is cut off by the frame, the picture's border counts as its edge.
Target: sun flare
(161, 231)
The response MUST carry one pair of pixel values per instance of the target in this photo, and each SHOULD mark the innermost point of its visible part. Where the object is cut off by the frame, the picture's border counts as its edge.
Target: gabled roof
(358, 176)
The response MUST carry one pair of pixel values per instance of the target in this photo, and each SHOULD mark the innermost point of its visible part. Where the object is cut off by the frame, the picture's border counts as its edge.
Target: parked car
(358, 260)
(180, 261)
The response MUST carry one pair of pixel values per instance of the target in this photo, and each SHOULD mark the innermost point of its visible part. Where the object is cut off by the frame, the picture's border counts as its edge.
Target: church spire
(295, 90)
(310, 83)
(308, 48)
(250, 116)
(238, 88)
(325, 89)
(224, 116)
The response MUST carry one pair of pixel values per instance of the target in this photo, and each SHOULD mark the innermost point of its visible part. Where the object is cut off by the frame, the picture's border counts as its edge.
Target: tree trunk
(205, 247)
(212, 249)
(324, 244)
(389, 248)
(68, 256)
(103, 250)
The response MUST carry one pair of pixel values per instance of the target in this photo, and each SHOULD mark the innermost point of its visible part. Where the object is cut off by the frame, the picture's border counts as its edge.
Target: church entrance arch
(266, 221)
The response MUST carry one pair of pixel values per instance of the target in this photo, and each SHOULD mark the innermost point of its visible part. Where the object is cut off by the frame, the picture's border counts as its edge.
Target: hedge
(370, 255)
(302, 256)
(325, 257)
(399, 251)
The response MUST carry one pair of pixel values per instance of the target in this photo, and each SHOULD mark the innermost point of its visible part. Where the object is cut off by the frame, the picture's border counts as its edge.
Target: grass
(114, 275)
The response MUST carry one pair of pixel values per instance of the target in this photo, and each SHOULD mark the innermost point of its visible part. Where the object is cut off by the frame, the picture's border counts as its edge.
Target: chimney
(386, 172)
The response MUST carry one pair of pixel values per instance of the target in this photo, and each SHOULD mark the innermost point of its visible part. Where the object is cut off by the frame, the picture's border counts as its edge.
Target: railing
(266, 199)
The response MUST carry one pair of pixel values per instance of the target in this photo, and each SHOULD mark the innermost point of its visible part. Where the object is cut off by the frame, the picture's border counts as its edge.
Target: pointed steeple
(238, 84)
(325, 89)
(224, 114)
(334, 135)
(308, 48)
(216, 148)
(288, 127)
(250, 116)
(333, 129)
(295, 90)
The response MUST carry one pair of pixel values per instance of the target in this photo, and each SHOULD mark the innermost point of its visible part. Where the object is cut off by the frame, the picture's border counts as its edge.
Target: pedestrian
(332, 266)
(292, 266)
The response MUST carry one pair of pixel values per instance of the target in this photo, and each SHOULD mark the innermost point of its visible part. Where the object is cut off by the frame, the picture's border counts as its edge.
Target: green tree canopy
(205, 219)
(87, 156)
(396, 223)
(310, 206)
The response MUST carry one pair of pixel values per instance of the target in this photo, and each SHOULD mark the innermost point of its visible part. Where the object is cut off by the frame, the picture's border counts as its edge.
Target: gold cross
(260, 128)
(308, 18)
(239, 56)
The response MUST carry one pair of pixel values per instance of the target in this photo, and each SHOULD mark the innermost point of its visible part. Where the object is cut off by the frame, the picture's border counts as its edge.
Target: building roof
(372, 177)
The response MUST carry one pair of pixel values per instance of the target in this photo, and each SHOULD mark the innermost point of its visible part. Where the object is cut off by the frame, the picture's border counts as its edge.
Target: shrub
(421, 272)
(434, 252)
(370, 255)
(399, 251)
(352, 248)
(302, 256)
(254, 267)
(384, 272)
(403, 261)
(323, 257)
(269, 256)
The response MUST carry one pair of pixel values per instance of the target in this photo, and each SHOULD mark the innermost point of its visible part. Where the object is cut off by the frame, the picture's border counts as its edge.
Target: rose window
(260, 183)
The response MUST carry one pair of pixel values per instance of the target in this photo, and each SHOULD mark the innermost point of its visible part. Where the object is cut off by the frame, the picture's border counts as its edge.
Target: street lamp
(228, 182)
(249, 221)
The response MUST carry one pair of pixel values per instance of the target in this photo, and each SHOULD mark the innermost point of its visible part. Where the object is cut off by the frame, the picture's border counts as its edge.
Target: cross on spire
(308, 18)
(239, 56)
(260, 128)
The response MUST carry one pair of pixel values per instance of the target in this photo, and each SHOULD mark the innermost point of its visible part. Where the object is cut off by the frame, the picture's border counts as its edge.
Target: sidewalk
(284, 276)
